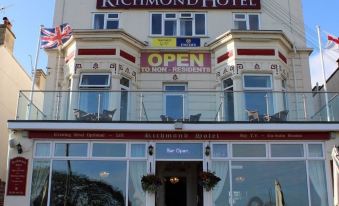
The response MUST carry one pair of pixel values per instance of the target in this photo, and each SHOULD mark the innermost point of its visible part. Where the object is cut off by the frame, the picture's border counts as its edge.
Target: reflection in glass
(249, 150)
(70, 149)
(221, 190)
(257, 182)
(219, 150)
(136, 195)
(109, 150)
(40, 181)
(138, 150)
(318, 183)
(315, 150)
(287, 150)
(42, 149)
(82, 183)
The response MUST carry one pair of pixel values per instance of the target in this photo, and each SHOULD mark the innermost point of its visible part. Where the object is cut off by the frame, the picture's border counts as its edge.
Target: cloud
(330, 64)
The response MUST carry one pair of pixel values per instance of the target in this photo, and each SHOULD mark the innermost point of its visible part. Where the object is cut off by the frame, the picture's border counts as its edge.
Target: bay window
(94, 96)
(258, 93)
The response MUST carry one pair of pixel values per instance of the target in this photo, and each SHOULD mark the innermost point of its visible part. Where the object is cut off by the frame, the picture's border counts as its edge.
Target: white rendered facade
(177, 84)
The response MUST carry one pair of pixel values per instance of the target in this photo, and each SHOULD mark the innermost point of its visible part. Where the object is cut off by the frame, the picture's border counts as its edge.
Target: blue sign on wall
(179, 151)
(188, 42)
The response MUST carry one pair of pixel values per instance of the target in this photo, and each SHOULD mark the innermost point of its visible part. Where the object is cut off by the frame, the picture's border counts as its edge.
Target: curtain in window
(39, 190)
(137, 197)
(318, 181)
(221, 170)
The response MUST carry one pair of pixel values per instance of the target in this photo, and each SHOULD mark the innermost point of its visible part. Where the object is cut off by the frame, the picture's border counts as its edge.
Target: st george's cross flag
(54, 37)
(332, 42)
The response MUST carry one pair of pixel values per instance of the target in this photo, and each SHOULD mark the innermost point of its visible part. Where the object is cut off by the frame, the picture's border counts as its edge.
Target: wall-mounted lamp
(19, 148)
(150, 150)
(207, 150)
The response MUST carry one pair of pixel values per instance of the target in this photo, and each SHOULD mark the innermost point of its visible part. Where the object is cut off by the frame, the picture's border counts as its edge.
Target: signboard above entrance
(178, 4)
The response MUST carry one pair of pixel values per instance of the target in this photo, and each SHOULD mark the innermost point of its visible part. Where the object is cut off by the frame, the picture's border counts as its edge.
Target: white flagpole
(324, 74)
(33, 74)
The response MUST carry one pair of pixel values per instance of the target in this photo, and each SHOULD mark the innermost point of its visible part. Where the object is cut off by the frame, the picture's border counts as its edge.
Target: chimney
(7, 37)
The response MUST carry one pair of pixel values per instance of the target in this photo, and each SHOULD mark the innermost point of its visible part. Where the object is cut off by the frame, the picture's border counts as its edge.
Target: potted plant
(208, 180)
(151, 182)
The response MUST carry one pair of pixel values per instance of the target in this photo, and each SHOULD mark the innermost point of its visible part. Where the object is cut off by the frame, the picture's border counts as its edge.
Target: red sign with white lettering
(17, 176)
(178, 4)
(180, 135)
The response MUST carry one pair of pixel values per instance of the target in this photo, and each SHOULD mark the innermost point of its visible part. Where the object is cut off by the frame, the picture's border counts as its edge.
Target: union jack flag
(54, 37)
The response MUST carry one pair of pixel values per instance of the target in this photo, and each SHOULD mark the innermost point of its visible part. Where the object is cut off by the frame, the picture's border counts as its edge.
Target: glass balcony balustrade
(172, 106)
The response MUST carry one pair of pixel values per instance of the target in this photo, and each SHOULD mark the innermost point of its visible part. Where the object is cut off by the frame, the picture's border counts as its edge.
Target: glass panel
(241, 25)
(70, 149)
(219, 150)
(113, 16)
(94, 80)
(136, 195)
(179, 151)
(254, 182)
(89, 102)
(123, 105)
(287, 150)
(88, 182)
(175, 106)
(138, 150)
(170, 28)
(240, 16)
(200, 24)
(112, 24)
(109, 150)
(257, 81)
(318, 183)
(175, 88)
(228, 83)
(315, 150)
(40, 181)
(99, 21)
(253, 21)
(256, 101)
(222, 190)
(124, 82)
(170, 15)
(186, 27)
(249, 150)
(229, 104)
(42, 149)
(156, 23)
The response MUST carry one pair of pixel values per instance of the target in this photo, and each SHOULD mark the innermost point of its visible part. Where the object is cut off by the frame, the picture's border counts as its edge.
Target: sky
(27, 16)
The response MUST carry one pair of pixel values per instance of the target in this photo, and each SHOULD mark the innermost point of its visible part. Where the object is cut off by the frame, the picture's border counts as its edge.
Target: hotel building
(174, 88)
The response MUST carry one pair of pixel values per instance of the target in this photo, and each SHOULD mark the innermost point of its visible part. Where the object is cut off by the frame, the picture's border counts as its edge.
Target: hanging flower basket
(151, 183)
(208, 180)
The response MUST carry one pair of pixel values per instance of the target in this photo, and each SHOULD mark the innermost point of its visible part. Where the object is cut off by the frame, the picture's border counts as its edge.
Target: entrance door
(175, 191)
(181, 186)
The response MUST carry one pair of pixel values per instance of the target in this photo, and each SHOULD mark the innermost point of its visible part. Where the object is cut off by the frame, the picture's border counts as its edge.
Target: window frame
(178, 18)
(247, 20)
(108, 85)
(106, 19)
(181, 93)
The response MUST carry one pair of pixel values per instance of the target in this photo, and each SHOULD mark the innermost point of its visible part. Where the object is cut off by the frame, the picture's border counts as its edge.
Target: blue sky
(27, 16)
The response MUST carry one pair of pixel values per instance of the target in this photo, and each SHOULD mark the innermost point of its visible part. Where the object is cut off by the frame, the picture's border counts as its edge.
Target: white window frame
(178, 17)
(106, 19)
(246, 19)
(175, 93)
(95, 86)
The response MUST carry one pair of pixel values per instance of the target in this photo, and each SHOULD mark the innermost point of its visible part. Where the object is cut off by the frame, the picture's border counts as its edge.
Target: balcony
(178, 106)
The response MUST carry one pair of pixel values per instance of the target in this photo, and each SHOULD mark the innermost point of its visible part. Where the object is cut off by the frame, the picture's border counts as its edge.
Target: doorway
(181, 186)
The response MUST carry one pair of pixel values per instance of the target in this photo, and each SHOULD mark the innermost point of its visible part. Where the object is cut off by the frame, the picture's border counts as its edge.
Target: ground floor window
(109, 173)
